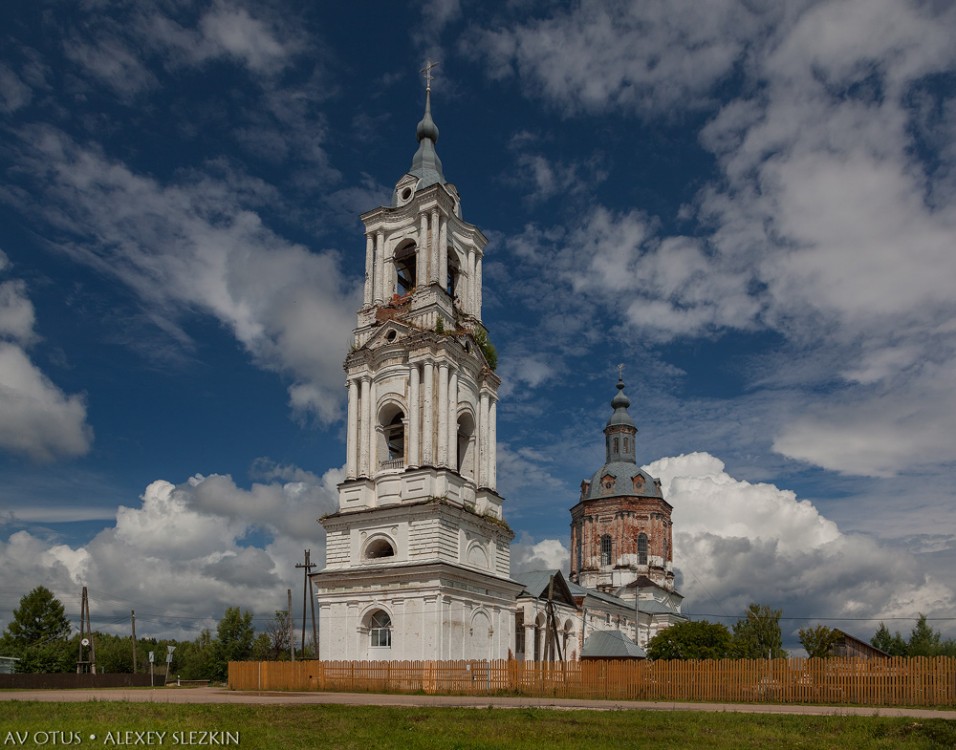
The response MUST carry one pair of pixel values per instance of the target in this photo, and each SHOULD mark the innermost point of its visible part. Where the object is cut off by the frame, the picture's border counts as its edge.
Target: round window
(406, 193)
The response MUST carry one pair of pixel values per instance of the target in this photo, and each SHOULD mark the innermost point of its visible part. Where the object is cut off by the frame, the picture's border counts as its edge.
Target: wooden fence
(914, 681)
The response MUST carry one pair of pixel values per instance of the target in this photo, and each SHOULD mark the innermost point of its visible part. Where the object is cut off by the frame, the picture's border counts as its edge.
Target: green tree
(39, 634)
(758, 635)
(894, 645)
(114, 654)
(924, 640)
(234, 638)
(691, 640)
(818, 640)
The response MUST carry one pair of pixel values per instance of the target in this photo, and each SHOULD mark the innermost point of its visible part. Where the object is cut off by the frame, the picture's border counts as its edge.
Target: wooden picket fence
(916, 681)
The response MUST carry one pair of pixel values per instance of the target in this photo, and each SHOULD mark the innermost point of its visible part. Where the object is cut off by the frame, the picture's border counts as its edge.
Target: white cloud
(737, 542)
(14, 93)
(111, 59)
(39, 420)
(198, 244)
(664, 288)
(16, 311)
(185, 551)
(832, 220)
(233, 32)
(648, 56)
(548, 554)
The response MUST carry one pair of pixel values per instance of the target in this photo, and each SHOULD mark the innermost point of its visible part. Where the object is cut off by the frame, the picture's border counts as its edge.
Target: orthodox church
(418, 562)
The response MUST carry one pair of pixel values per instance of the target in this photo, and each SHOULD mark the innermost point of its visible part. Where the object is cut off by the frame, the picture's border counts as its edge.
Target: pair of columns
(431, 434)
(431, 264)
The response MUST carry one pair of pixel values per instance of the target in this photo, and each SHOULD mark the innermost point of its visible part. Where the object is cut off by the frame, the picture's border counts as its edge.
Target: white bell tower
(417, 555)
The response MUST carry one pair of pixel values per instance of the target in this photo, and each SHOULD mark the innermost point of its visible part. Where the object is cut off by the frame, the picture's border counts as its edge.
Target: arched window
(451, 281)
(466, 448)
(580, 551)
(379, 548)
(642, 549)
(380, 629)
(606, 549)
(405, 268)
(392, 443)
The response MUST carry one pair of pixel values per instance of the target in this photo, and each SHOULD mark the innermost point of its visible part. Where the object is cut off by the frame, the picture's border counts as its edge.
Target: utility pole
(289, 622)
(86, 638)
(552, 641)
(132, 619)
(306, 567)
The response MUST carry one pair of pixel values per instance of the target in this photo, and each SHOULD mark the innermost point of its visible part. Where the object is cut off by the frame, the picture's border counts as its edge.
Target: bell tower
(417, 554)
(621, 529)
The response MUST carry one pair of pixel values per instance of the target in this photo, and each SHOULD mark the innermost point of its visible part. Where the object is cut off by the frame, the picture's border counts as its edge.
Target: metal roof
(611, 644)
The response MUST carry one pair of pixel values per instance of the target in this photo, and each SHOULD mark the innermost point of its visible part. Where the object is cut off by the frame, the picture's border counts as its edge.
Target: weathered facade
(621, 527)
(418, 556)
(418, 551)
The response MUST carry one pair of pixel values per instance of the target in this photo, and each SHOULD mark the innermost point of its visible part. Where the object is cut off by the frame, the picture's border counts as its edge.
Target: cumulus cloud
(39, 420)
(199, 244)
(736, 542)
(186, 552)
(528, 555)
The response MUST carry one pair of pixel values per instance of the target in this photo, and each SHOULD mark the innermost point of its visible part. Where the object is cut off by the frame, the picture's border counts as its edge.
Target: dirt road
(222, 695)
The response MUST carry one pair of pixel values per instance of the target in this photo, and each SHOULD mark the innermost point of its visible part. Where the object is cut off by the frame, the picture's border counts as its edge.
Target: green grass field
(29, 724)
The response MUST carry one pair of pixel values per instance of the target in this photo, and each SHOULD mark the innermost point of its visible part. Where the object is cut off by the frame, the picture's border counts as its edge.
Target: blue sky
(750, 207)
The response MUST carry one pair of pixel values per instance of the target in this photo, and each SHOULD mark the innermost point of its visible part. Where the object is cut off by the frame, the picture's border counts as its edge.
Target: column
(453, 420)
(484, 477)
(363, 430)
(427, 416)
(369, 269)
(351, 433)
(422, 265)
(493, 444)
(414, 428)
(379, 267)
(434, 272)
(477, 309)
(371, 429)
(443, 252)
(443, 414)
(470, 291)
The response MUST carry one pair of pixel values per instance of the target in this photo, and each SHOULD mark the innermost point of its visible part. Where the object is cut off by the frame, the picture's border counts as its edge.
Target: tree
(279, 632)
(758, 635)
(38, 634)
(818, 640)
(234, 638)
(924, 641)
(894, 645)
(691, 640)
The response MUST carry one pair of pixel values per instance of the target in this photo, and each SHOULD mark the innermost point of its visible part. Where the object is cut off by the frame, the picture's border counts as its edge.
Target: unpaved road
(222, 695)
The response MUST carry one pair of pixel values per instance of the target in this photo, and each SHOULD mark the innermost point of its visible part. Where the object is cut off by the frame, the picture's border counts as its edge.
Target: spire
(620, 404)
(426, 165)
(620, 431)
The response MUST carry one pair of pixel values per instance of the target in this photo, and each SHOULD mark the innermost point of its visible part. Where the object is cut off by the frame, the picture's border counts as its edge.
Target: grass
(293, 727)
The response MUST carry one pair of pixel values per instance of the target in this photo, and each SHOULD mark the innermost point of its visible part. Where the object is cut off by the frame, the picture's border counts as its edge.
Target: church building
(418, 553)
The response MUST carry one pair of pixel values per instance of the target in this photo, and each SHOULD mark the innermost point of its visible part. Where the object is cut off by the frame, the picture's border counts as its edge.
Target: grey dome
(624, 474)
